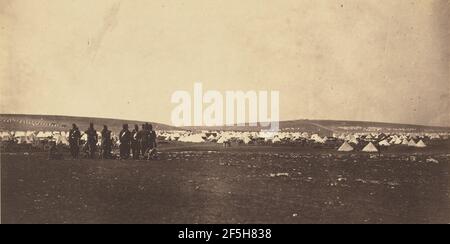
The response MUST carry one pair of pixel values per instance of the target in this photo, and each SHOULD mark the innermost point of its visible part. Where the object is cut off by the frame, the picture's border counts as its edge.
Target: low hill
(328, 127)
(359, 126)
(26, 122)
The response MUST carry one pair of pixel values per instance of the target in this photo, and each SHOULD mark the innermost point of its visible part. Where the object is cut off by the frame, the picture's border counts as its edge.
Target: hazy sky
(354, 60)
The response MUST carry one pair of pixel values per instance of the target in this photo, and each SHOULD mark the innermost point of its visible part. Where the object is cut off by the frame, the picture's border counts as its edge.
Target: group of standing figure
(141, 143)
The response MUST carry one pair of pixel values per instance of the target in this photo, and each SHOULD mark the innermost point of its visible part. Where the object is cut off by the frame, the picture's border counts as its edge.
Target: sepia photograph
(249, 112)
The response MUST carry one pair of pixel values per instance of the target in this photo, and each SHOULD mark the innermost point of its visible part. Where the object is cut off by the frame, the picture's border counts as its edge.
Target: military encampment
(83, 172)
(224, 112)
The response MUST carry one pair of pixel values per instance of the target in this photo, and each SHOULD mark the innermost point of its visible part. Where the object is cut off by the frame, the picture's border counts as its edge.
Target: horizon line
(237, 125)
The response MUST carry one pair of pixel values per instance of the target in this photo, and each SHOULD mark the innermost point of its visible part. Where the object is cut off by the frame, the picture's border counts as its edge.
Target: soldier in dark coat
(125, 141)
(144, 139)
(92, 139)
(135, 142)
(151, 141)
(74, 141)
(106, 142)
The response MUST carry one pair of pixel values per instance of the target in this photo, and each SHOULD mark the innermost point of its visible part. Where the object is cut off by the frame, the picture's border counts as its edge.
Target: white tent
(192, 138)
(384, 143)
(20, 134)
(5, 136)
(405, 142)
(434, 136)
(246, 139)
(267, 135)
(61, 140)
(352, 139)
(84, 137)
(222, 139)
(276, 140)
(398, 141)
(211, 137)
(392, 141)
(20, 139)
(316, 138)
(31, 139)
(173, 137)
(345, 147)
(176, 136)
(421, 144)
(370, 148)
(411, 143)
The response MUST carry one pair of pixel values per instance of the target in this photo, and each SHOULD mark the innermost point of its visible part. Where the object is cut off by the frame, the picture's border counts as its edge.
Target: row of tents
(222, 137)
(274, 138)
(370, 147)
(32, 137)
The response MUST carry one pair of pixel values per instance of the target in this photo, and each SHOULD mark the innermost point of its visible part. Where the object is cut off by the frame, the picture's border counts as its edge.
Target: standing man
(92, 139)
(74, 141)
(151, 141)
(106, 142)
(144, 139)
(135, 142)
(125, 140)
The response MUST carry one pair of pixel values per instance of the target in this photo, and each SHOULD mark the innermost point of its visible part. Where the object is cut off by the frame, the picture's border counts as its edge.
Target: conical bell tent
(345, 147)
(370, 148)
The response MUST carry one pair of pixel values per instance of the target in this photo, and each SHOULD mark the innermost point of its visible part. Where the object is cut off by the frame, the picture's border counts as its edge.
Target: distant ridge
(322, 127)
(328, 127)
(64, 123)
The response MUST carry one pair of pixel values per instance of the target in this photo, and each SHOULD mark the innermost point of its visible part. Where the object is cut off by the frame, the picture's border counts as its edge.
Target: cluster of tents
(371, 141)
(222, 137)
(30, 122)
(348, 142)
(198, 137)
(370, 147)
(35, 137)
(32, 137)
(218, 137)
(375, 141)
(383, 140)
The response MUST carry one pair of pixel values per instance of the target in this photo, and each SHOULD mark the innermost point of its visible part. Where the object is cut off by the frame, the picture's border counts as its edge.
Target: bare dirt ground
(238, 185)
